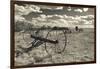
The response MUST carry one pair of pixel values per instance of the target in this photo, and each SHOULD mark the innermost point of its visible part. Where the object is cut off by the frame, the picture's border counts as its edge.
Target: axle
(44, 39)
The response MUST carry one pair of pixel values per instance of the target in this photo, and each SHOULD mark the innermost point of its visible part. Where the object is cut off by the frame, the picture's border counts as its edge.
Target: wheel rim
(60, 46)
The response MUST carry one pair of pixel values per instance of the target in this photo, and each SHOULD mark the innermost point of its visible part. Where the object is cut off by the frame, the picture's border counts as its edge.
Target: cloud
(78, 10)
(49, 16)
(58, 16)
(53, 15)
(62, 21)
(85, 9)
(88, 17)
(43, 16)
(34, 8)
(24, 10)
(19, 18)
(59, 8)
(51, 7)
(89, 22)
(19, 9)
(69, 9)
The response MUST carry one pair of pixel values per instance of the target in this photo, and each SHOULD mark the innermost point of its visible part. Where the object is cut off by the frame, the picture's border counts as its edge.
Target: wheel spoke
(60, 37)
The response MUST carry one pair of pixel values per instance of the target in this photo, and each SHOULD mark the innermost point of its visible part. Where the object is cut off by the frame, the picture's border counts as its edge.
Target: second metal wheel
(57, 35)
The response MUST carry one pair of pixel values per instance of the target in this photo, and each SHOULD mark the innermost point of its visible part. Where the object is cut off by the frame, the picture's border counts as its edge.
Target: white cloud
(49, 16)
(59, 8)
(53, 20)
(34, 8)
(90, 17)
(62, 20)
(83, 17)
(19, 9)
(24, 10)
(51, 7)
(85, 9)
(76, 18)
(43, 16)
(60, 16)
(19, 18)
(89, 22)
(65, 16)
(78, 10)
(69, 9)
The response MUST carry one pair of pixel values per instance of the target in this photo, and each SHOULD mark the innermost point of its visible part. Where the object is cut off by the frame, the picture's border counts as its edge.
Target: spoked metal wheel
(56, 35)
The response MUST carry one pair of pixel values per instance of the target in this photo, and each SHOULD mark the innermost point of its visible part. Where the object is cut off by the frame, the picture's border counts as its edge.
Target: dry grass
(80, 48)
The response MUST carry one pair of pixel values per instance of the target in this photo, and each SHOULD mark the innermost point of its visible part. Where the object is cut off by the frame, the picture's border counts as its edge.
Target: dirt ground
(80, 48)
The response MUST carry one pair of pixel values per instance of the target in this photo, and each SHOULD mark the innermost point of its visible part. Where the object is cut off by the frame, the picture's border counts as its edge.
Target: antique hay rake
(54, 39)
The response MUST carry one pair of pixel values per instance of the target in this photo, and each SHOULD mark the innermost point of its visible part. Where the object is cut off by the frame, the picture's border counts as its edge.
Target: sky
(62, 16)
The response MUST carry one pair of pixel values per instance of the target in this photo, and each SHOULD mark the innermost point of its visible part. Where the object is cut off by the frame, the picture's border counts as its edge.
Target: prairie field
(79, 48)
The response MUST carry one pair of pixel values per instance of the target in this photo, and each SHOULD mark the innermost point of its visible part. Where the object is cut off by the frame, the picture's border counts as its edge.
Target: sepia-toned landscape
(41, 30)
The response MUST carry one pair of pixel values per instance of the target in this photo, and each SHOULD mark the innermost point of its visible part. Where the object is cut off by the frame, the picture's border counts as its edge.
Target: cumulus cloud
(34, 8)
(19, 9)
(51, 7)
(88, 22)
(19, 18)
(58, 16)
(68, 19)
(85, 9)
(88, 17)
(43, 16)
(24, 10)
(63, 21)
(69, 9)
(49, 16)
(59, 8)
(78, 10)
